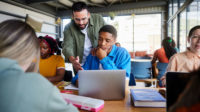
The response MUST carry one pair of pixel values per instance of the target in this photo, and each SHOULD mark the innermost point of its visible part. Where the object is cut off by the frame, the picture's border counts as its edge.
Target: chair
(142, 57)
(132, 80)
(161, 71)
(142, 72)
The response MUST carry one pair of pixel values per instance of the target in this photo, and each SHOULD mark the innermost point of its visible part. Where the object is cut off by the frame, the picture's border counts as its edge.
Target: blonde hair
(19, 42)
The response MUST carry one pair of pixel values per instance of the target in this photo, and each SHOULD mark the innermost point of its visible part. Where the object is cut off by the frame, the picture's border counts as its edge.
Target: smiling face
(106, 40)
(81, 18)
(44, 50)
(194, 41)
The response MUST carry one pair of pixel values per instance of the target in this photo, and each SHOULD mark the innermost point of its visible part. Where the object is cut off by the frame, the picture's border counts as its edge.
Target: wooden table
(125, 105)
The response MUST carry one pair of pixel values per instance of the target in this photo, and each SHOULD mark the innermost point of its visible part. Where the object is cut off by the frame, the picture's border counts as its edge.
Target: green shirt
(73, 44)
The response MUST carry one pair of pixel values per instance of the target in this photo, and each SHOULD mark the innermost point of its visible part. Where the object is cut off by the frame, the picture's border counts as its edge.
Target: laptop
(175, 85)
(102, 84)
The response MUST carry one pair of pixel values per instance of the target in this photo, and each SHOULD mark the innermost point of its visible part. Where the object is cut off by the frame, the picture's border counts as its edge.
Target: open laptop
(175, 85)
(102, 84)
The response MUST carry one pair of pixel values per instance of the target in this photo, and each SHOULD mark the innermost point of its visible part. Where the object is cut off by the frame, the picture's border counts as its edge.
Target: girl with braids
(51, 66)
(163, 54)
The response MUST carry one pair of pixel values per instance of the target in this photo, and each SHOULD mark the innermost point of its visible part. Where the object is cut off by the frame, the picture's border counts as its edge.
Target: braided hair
(50, 42)
(169, 44)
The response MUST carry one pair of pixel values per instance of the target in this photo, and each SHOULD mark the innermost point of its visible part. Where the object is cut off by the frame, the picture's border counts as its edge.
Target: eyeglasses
(195, 37)
(82, 19)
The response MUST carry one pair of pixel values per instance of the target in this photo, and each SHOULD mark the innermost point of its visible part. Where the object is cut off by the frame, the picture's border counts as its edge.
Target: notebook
(147, 98)
(175, 84)
(102, 84)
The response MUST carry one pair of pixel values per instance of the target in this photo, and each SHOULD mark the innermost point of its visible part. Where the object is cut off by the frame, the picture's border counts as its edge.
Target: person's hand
(163, 79)
(93, 51)
(100, 53)
(75, 63)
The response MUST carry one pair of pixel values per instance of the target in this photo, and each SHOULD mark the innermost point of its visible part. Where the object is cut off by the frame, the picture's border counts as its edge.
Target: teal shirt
(28, 92)
(73, 43)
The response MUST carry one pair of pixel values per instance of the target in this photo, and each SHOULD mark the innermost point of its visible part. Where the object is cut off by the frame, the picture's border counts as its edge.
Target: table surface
(126, 104)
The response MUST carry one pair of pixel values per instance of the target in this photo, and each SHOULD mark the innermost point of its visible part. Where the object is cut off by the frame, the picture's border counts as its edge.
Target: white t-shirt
(87, 46)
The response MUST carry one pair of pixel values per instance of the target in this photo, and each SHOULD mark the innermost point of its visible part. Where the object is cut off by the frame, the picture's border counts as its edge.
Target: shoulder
(178, 56)
(122, 52)
(69, 26)
(57, 56)
(96, 16)
(36, 79)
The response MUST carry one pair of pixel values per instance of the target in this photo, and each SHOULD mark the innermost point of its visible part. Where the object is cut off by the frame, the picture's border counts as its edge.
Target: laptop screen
(175, 85)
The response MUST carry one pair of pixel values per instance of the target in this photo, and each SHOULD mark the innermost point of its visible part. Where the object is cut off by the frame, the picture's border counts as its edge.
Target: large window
(192, 15)
(189, 17)
(147, 32)
(183, 37)
(124, 26)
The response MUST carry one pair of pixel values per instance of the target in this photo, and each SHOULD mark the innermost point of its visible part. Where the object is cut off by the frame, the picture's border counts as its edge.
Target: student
(51, 66)
(189, 100)
(165, 52)
(190, 59)
(107, 56)
(22, 90)
(81, 34)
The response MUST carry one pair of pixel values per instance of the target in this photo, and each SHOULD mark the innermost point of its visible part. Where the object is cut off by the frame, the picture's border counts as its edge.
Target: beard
(81, 26)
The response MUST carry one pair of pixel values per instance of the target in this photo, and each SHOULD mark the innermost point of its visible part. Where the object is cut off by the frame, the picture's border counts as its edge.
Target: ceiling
(62, 8)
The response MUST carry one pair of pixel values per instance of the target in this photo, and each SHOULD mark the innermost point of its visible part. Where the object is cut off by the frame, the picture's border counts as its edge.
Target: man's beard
(81, 28)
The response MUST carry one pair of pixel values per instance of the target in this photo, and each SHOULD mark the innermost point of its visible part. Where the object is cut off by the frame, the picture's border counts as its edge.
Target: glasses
(195, 37)
(82, 19)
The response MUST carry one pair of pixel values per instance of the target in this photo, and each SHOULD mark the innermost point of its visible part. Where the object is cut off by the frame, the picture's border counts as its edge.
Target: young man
(190, 59)
(81, 34)
(107, 55)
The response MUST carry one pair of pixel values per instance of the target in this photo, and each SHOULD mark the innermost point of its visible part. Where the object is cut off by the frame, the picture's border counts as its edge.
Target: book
(85, 103)
(147, 98)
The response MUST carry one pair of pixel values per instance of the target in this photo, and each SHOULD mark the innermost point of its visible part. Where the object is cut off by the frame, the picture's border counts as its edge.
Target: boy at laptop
(107, 56)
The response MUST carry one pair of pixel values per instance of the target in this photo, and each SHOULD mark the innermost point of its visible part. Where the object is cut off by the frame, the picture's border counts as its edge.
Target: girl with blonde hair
(22, 90)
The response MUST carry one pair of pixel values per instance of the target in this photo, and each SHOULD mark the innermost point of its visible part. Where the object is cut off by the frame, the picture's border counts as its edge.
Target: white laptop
(102, 84)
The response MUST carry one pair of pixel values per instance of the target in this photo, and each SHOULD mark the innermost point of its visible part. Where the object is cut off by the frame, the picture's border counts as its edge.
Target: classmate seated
(165, 52)
(22, 90)
(51, 66)
(189, 100)
(107, 56)
(190, 59)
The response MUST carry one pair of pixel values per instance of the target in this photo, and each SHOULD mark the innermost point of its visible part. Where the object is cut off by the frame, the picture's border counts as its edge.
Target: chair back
(141, 70)
(161, 71)
(142, 57)
(132, 80)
